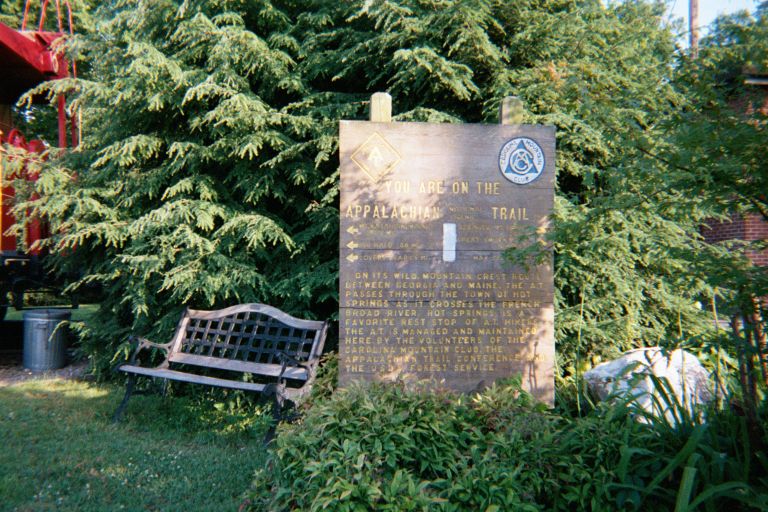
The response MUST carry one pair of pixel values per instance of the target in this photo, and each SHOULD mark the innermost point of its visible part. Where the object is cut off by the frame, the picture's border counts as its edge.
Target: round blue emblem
(521, 160)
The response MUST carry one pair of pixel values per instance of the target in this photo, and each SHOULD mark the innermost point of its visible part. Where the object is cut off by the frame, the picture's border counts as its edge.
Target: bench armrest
(286, 360)
(143, 343)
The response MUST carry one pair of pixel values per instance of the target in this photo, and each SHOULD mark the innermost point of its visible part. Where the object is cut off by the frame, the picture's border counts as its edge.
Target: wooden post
(693, 25)
(511, 110)
(381, 107)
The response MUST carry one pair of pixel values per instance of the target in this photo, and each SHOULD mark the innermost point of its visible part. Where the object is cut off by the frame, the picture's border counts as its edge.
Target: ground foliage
(385, 448)
(208, 169)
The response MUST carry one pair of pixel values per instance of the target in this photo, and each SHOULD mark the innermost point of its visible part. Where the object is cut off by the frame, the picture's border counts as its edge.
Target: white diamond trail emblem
(376, 157)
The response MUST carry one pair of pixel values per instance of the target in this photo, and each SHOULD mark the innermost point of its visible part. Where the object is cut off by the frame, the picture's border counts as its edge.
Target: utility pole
(693, 25)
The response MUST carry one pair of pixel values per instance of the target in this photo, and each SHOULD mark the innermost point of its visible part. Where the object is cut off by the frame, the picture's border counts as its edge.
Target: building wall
(750, 228)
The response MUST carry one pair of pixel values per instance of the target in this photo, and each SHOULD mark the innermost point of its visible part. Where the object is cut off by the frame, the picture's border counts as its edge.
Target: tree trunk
(756, 322)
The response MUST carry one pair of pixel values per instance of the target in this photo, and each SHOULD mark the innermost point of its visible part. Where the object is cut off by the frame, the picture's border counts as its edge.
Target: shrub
(382, 447)
(388, 448)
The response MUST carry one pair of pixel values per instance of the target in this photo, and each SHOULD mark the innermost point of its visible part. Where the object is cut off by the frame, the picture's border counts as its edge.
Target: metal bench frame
(254, 339)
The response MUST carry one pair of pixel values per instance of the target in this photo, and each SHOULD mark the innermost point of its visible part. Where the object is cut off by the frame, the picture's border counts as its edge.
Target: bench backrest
(248, 338)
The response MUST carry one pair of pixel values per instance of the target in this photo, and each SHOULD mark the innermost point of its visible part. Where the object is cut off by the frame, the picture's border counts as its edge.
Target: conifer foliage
(719, 145)
(208, 170)
(601, 75)
(189, 187)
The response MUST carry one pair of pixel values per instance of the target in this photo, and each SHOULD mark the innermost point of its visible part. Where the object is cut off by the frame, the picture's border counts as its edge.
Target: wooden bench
(278, 349)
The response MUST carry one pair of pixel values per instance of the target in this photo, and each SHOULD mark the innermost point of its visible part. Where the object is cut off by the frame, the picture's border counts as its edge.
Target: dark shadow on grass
(195, 410)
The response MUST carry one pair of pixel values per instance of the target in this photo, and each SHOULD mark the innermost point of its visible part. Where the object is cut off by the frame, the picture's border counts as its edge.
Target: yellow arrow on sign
(352, 230)
(353, 257)
(352, 245)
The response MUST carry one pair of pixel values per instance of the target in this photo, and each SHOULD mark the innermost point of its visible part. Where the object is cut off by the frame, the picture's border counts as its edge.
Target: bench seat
(164, 373)
(255, 339)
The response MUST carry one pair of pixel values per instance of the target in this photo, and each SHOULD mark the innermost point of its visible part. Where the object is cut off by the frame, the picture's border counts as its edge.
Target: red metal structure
(27, 58)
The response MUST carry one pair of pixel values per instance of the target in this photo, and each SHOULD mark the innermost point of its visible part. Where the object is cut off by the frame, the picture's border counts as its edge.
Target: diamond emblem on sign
(376, 157)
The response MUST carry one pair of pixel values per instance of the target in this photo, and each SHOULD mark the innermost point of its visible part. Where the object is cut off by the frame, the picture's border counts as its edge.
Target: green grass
(59, 450)
(83, 312)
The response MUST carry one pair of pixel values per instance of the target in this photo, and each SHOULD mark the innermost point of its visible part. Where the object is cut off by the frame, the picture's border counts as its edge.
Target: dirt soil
(12, 371)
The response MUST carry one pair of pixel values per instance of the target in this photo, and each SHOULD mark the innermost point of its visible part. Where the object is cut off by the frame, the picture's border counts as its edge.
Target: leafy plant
(387, 448)
(391, 449)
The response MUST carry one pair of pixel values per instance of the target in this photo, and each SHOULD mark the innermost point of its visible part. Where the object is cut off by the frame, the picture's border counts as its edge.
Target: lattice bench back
(247, 338)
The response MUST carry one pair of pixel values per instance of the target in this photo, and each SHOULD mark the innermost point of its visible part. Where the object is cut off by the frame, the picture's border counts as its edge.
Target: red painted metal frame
(28, 58)
(35, 230)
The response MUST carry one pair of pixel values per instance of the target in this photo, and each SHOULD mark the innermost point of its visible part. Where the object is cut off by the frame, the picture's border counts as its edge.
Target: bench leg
(128, 392)
(277, 404)
(275, 391)
(164, 388)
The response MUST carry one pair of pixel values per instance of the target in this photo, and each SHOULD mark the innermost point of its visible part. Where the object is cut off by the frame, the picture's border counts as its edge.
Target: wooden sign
(425, 292)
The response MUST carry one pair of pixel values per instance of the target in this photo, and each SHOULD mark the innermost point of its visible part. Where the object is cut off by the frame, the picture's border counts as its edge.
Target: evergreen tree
(39, 121)
(601, 75)
(208, 171)
(189, 187)
(721, 128)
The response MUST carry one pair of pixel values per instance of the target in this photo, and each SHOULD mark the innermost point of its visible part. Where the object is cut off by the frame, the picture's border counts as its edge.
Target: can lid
(47, 314)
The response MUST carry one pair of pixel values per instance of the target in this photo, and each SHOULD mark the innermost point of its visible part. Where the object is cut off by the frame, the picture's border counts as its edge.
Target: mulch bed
(12, 371)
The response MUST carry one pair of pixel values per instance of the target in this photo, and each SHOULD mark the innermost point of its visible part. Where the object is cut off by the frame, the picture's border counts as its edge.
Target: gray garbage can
(44, 349)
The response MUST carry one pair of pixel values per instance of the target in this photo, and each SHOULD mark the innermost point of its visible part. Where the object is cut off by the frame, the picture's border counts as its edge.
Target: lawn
(60, 451)
(83, 312)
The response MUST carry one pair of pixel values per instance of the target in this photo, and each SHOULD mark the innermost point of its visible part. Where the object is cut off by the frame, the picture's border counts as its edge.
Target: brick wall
(757, 229)
(750, 227)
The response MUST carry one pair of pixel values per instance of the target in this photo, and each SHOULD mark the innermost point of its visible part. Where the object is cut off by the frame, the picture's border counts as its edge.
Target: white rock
(630, 376)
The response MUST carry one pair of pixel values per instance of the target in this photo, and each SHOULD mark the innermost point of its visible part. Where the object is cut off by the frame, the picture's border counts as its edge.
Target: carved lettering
(425, 291)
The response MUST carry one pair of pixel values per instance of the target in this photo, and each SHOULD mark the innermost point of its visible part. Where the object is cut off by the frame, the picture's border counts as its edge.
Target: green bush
(382, 447)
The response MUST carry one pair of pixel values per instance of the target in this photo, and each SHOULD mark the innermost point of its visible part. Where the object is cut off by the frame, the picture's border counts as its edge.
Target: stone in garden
(631, 376)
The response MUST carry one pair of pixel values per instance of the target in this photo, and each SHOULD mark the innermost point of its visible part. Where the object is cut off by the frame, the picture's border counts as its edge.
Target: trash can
(45, 349)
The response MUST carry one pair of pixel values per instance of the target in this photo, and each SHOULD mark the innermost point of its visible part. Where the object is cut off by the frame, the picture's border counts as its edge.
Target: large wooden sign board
(425, 293)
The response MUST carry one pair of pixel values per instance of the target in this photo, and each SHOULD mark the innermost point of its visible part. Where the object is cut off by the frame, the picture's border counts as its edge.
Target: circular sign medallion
(521, 160)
